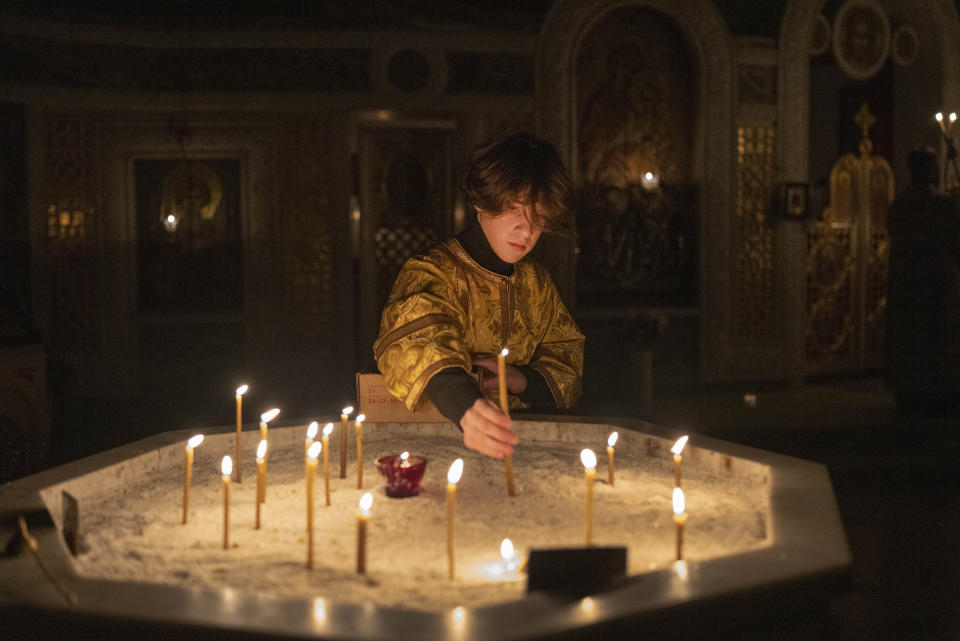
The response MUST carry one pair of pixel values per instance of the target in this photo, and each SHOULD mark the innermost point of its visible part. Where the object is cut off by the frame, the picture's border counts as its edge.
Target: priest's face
(511, 233)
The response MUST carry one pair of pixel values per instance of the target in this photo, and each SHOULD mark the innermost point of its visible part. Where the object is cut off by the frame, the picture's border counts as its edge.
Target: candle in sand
(589, 460)
(344, 415)
(239, 393)
(311, 474)
(505, 408)
(363, 516)
(453, 477)
(192, 442)
(226, 468)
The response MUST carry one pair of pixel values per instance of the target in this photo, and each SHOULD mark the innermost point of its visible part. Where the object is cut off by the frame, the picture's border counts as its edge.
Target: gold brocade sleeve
(558, 355)
(422, 328)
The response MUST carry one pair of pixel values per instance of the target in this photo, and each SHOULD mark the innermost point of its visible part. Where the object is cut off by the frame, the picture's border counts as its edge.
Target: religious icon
(906, 46)
(861, 38)
(796, 200)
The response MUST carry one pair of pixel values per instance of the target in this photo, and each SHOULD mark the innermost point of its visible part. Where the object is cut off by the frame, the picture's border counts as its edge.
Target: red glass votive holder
(403, 478)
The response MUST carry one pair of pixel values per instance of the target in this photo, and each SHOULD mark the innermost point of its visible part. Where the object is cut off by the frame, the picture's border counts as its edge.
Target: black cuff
(453, 392)
(538, 394)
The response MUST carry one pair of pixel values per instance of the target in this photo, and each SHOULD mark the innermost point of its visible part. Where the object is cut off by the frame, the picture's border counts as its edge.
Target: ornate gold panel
(847, 261)
(755, 311)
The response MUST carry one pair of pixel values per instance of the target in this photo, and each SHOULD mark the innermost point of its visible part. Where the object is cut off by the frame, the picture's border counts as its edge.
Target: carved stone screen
(637, 214)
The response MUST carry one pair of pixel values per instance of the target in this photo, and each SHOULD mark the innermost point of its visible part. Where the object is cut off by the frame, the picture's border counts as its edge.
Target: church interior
(194, 196)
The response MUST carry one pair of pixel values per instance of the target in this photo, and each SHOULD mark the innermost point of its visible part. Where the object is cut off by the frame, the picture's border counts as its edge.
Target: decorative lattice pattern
(755, 309)
(69, 185)
(308, 254)
(393, 247)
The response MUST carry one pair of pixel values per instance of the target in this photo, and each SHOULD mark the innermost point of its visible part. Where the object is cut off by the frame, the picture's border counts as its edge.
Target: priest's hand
(516, 381)
(487, 430)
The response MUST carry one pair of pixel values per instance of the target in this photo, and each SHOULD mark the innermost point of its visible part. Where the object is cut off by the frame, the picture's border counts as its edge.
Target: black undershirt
(452, 390)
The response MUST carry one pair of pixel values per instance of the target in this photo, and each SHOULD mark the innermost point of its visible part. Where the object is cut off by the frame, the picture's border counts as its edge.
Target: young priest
(452, 309)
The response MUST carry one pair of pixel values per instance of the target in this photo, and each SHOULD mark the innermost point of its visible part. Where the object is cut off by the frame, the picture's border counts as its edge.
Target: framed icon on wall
(795, 200)
(861, 38)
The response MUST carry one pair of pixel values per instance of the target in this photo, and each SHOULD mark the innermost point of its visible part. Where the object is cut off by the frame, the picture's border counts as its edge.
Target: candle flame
(319, 610)
(269, 415)
(226, 466)
(588, 458)
(506, 549)
(405, 456)
(679, 445)
(261, 450)
(328, 429)
(613, 439)
(347, 411)
(242, 390)
(365, 502)
(953, 116)
(679, 504)
(504, 352)
(360, 418)
(194, 441)
(939, 116)
(588, 604)
(312, 430)
(455, 472)
(314, 451)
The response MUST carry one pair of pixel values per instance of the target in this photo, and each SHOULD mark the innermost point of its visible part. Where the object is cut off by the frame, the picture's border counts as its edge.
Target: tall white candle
(589, 460)
(239, 395)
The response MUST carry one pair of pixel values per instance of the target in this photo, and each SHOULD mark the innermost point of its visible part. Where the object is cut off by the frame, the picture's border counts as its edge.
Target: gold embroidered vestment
(445, 310)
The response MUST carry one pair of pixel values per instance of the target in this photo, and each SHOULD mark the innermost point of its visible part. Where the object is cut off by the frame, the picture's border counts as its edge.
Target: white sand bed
(133, 532)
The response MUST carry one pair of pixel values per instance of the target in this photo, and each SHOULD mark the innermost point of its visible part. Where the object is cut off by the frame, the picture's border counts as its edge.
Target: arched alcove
(710, 126)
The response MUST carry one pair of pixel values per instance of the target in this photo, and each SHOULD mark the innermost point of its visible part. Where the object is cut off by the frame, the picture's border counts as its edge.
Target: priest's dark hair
(521, 167)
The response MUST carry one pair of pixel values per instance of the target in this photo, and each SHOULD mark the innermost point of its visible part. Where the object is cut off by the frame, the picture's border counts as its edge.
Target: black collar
(475, 242)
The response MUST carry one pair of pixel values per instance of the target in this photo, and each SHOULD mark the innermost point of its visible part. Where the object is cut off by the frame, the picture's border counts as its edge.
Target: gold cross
(864, 120)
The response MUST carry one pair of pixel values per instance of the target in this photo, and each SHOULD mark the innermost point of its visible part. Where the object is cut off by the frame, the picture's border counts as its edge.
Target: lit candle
(939, 117)
(589, 460)
(358, 424)
(680, 518)
(261, 478)
(240, 392)
(311, 473)
(649, 180)
(226, 468)
(344, 415)
(363, 515)
(265, 418)
(312, 430)
(192, 442)
(611, 441)
(509, 555)
(405, 459)
(453, 477)
(677, 450)
(327, 430)
(505, 408)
